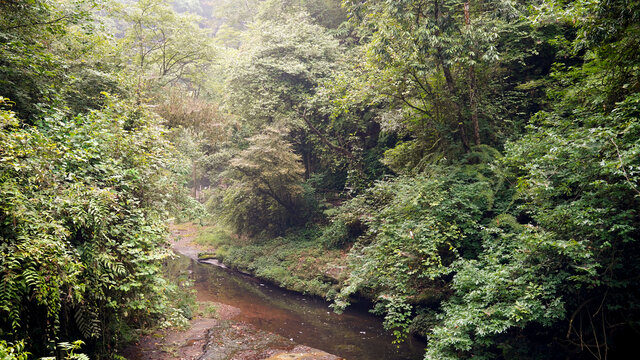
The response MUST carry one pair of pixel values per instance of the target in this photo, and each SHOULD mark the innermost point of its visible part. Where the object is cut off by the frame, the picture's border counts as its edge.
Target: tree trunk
(472, 85)
(338, 149)
(451, 86)
(305, 150)
(474, 105)
(195, 181)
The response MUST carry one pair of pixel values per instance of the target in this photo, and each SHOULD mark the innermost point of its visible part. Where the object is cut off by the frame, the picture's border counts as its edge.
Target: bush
(83, 203)
(335, 236)
(423, 323)
(15, 351)
(416, 229)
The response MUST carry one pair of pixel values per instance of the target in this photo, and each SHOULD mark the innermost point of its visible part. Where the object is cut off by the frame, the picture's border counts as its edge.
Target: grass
(207, 309)
(298, 261)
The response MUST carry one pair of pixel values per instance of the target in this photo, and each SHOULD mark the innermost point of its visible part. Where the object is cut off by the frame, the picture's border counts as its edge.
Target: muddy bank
(220, 339)
(223, 336)
(355, 334)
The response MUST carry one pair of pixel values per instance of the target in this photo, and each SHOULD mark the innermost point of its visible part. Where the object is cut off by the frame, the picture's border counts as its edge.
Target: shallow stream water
(354, 335)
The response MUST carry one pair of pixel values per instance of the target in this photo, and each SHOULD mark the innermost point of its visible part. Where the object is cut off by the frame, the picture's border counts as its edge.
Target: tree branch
(36, 23)
(323, 138)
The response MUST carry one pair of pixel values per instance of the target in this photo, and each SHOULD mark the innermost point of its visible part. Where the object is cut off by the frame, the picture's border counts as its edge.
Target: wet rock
(301, 352)
(335, 274)
(232, 340)
(172, 344)
(212, 261)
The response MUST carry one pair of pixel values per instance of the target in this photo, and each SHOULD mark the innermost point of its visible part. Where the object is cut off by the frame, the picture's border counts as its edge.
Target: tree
(277, 69)
(82, 227)
(444, 65)
(274, 77)
(573, 266)
(49, 52)
(263, 191)
(164, 47)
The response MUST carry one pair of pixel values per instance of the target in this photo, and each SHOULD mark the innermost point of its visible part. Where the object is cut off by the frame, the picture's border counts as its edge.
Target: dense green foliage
(479, 163)
(264, 188)
(83, 208)
(478, 160)
(87, 183)
(296, 261)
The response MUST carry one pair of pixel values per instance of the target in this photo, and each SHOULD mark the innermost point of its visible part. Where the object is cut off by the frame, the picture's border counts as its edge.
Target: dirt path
(219, 337)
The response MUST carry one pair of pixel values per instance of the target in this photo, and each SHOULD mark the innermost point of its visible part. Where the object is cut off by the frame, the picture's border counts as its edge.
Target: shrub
(335, 236)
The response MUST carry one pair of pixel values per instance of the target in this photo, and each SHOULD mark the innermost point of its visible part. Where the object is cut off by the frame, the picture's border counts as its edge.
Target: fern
(69, 349)
(13, 351)
(87, 322)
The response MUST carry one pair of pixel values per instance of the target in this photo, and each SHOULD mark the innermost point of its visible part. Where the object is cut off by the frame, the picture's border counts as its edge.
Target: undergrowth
(297, 261)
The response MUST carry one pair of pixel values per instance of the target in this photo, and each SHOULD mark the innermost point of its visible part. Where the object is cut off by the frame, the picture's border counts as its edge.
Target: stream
(355, 335)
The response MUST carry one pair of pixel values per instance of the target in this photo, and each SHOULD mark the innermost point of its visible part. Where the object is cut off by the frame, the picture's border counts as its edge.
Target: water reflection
(356, 334)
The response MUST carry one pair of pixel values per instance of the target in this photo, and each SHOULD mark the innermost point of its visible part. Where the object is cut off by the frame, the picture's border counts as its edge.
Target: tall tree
(49, 53)
(264, 185)
(164, 47)
(275, 75)
(442, 62)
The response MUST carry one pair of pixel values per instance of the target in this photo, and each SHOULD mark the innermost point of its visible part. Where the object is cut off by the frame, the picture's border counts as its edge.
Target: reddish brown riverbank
(219, 336)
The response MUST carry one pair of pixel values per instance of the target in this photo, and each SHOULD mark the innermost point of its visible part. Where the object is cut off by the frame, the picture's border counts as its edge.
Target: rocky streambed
(255, 320)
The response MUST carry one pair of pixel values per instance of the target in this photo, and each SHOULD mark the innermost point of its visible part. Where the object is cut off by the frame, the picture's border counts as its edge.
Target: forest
(472, 168)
